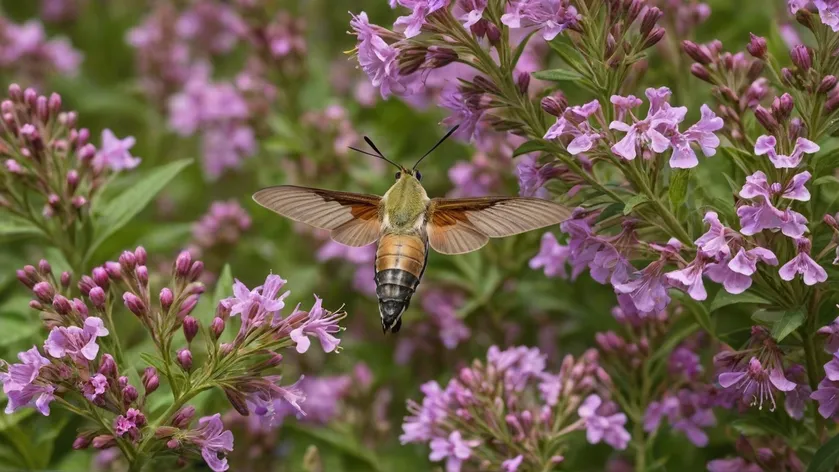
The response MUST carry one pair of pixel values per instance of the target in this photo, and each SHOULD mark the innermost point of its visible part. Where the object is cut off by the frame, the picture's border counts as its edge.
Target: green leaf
(678, 190)
(826, 179)
(724, 298)
(824, 163)
(673, 339)
(119, 211)
(530, 146)
(767, 317)
(633, 202)
(791, 320)
(698, 310)
(558, 75)
(826, 457)
(520, 48)
(12, 225)
(345, 443)
(759, 426)
(153, 361)
(611, 210)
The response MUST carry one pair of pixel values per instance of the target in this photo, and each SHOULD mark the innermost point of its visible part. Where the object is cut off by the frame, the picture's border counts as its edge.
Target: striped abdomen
(400, 263)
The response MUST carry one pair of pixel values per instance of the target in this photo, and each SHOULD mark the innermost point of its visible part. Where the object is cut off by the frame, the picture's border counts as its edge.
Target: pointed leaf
(12, 225)
(558, 75)
(678, 190)
(724, 298)
(530, 146)
(119, 211)
(826, 457)
(791, 320)
(633, 202)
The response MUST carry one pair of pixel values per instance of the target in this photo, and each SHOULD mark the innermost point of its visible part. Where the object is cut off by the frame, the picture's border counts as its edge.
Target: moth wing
(460, 225)
(351, 218)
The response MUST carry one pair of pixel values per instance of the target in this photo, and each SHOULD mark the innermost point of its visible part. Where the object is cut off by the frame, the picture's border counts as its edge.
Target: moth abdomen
(400, 263)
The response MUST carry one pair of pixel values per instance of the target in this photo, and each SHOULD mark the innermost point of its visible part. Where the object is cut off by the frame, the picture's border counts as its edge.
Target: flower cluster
(526, 413)
(26, 50)
(83, 367)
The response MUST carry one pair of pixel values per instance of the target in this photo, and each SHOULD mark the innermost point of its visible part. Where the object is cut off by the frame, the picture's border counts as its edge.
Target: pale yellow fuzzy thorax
(404, 205)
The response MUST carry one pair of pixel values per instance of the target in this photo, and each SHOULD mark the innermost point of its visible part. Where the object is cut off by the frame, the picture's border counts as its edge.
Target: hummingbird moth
(404, 222)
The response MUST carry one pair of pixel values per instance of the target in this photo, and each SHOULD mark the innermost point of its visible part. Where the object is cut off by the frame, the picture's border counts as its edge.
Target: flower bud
(142, 274)
(523, 82)
(696, 52)
(217, 327)
(82, 442)
(479, 28)
(195, 271)
(129, 394)
(440, 57)
(800, 56)
(140, 255)
(44, 267)
(830, 220)
(133, 303)
(100, 277)
(104, 441)
(649, 20)
(786, 105)
(787, 76)
(654, 37)
(187, 306)
(166, 298)
(24, 279)
(44, 291)
(29, 96)
(41, 109)
(828, 83)
(225, 349)
(756, 46)
(765, 118)
(97, 297)
(127, 260)
(65, 279)
(80, 307)
(493, 34)
(796, 129)
(185, 358)
(554, 105)
(699, 71)
(54, 103)
(113, 270)
(183, 264)
(78, 202)
(237, 400)
(36, 305)
(15, 92)
(107, 366)
(150, 380)
(832, 103)
(183, 417)
(190, 328)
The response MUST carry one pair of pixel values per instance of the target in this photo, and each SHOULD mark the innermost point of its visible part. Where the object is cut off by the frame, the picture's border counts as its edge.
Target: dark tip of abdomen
(394, 288)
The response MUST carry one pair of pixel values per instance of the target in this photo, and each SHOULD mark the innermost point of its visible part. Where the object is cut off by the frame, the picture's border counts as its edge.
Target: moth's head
(408, 174)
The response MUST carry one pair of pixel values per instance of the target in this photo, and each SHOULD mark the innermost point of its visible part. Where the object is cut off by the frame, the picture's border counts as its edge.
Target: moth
(404, 222)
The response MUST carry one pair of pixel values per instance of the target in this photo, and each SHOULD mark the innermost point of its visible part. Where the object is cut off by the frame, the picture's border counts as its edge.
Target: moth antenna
(378, 153)
(451, 131)
(363, 151)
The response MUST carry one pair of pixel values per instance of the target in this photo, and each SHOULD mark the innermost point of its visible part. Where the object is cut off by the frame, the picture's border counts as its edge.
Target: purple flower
(803, 264)
(215, 26)
(736, 464)
(78, 343)
(533, 177)
(470, 11)
(763, 215)
(322, 396)
(795, 5)
(512, 465)
(757, 383)
(795, 401)
(420, 10)
(225, 146)
(321, 323)
(702, 133)
(442, 306)
(735, 273)
(129, 423)
(647, 288)
(214, 441)
(600, 427)
(827, 394)
(420, 425)
(715, 242)
(552, 257)
(114, 152)
(649, 132)
(551, 16)
(574, 122)
(254, 305)
(766, 145)
(271, 402)
(686, 412)
(203, 102)
(94, 387)
(466, 111)
(831, 344)
(21, 385)
(454, 449)
(683, 361)
(379, 61)
(518, 364)
(828, 12)
(690, 278)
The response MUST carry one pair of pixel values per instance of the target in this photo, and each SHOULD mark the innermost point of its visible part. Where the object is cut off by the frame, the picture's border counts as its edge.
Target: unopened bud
(800, 56)
(44, 267)
(65, 279)
(493, 34)
(756, 46)
(696, 52)
(183, 264)
(113, 270)
(765, 118)
(127, 261)
(183, 417)
(190, 328)
(187, 306)
(133, 303)
(479, 28)
(108, 367)
(165, 432)
(237, 401)
(440, 57)
(82, 442)
(104, 441)
(140, 255)
(62, 305)
(699, 71)
(651, 17)
(830, 220)
(142, 274)
(166, 298)
(217, 327)
(225, 349)
(129, 394)
(654, 37)
(54, 103)
(555, 104)
(100, 277)
(185, 359)
(832, 103)
(828, 83)
(150, 380)
(195, 271)
(97, 297)
(44, 292)
(523, 82)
